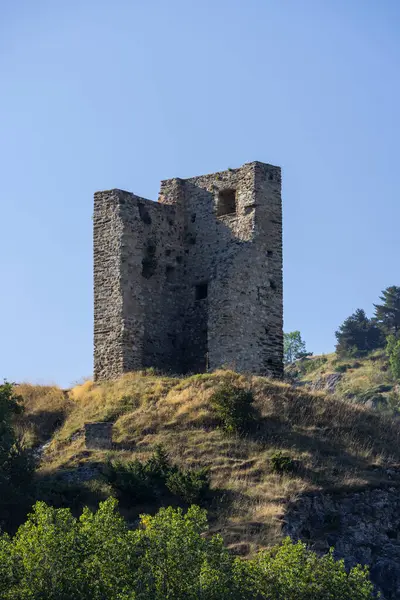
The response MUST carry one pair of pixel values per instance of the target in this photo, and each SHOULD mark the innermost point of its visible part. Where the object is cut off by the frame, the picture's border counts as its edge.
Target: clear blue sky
(98, 94)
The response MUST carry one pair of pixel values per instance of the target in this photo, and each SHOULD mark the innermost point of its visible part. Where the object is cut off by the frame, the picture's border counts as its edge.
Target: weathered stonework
(98, 436)
(363, 527)
(192, 282)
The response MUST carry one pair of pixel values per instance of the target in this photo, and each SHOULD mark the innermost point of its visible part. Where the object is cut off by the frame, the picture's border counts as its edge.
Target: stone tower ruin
(192, 282)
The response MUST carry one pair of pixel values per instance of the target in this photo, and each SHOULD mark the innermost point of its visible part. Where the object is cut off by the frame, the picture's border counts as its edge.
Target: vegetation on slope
(300, 442)
(368, 380)
(54, 556)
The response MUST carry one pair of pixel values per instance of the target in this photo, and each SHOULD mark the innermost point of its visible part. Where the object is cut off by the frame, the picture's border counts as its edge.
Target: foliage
(55, 556)
(234, 408)
(374, 396)
(191, 485)
(387, 314)
(358, 335)
(136, 481)
(15, 463)
(292, 572)
(342, 368)
(293, 347)
(393, 403)
(309, 365)
(281, 463)
(393, 352)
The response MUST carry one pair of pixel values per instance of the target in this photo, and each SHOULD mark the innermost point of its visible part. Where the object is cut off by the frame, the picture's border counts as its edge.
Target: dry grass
(335, 445)
(361, 375)
(46, 408)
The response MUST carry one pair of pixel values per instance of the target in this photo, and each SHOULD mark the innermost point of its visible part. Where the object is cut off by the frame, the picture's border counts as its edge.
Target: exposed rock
(82, 473)
(98, 436)
(326, 383)
(363, 527)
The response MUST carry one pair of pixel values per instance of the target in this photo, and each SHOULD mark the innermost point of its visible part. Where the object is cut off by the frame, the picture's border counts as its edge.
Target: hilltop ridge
(332, 445)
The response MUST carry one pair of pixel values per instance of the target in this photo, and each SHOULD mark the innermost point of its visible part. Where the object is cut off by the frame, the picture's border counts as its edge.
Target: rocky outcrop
(363, 527)
(326, 383)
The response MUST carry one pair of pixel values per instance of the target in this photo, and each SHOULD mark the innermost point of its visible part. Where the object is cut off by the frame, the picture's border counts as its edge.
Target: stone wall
(363, 527)
(179, 286)
(98, 436)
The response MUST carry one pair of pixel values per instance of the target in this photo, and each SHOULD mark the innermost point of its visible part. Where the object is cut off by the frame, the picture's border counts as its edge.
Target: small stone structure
(98, 436)
(193, 282)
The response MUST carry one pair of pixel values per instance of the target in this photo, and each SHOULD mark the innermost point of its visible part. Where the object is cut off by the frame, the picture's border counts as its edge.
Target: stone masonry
(98, 435)
(192, 282)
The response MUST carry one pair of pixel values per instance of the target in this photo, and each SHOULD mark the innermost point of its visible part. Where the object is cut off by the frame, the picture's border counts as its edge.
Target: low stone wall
(98, 436)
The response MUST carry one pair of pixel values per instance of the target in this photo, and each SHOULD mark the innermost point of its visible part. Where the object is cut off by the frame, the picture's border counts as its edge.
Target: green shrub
(138, 481)
(55, 556)
(189, 485)
(149, 481)
(130, 480)
(309, 365)
(393, 403)
(281, 463)
(16, 462)
(393, 352)
(234, 408)
(342, 368)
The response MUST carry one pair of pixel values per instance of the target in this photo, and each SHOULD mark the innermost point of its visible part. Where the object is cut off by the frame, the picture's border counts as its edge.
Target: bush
(149, 481)
(393, 352)
(55, 556)
(342, 368)
(16, 463)
(234, 408)
(130, 480)
(137, 481)
(281, 463)
(190, 485)
(310, 365)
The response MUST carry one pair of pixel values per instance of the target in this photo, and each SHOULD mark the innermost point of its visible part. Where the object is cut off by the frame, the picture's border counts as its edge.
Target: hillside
(335, 445)
(367, 380)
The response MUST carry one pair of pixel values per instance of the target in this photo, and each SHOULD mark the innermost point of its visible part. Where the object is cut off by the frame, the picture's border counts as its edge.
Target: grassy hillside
(333, 445)
(365, 380)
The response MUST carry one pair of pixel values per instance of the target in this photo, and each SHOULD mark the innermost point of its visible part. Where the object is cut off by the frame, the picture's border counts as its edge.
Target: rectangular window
(201, 291)
(170, 274)
(226, 203)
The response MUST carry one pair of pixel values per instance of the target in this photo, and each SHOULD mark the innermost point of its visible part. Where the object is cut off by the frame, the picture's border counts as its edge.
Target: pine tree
(387, 314)
(358, 335)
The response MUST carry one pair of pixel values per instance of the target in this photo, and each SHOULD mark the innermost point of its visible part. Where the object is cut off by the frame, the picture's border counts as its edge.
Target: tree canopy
(15, 463)
(358, 335)
(387, 314)
(293, 346)
(55, 556)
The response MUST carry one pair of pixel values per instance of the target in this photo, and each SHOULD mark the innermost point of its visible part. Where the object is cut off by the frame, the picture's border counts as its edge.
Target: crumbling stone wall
(184, 288)
(363, 527)
(98, 436)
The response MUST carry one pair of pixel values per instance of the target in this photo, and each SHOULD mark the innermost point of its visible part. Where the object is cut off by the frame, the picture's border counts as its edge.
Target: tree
(15, 463)
(387, 314)
(358, 335)
(55, 556)
(293, 347)
(393, 352)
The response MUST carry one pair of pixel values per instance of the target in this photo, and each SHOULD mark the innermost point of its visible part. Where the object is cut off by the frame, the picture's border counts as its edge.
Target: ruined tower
(192, 282)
